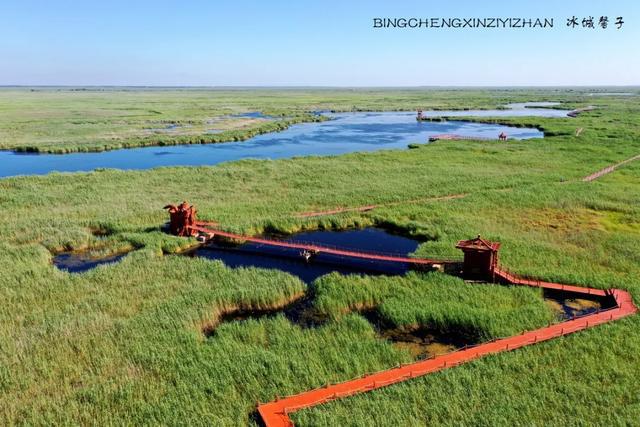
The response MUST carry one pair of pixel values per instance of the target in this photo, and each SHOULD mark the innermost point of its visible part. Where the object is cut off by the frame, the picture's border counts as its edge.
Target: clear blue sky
(330, 43)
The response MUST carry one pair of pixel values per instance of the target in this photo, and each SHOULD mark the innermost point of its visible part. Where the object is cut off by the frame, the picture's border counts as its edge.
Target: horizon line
(309, 86)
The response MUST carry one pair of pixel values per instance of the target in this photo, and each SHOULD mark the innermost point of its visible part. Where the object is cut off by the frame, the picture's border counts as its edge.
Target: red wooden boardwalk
(380, 205)
(317, 248)
(454, 137)
(276, 413)
(517, 280)
(574, 113)
(609, 169)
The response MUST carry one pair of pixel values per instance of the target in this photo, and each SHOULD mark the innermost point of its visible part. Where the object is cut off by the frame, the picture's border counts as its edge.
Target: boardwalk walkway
(609, 169)
(316, 249)
(276, 413)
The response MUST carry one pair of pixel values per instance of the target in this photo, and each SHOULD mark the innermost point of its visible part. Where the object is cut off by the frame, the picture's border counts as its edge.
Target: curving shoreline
(157, 141)
(345, 133)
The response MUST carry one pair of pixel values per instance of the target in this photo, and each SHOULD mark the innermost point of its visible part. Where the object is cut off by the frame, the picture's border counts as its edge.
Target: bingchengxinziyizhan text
(588, 22)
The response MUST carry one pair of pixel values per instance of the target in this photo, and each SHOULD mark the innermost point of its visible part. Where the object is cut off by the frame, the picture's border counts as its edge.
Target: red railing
(325, 249)
(276, 413)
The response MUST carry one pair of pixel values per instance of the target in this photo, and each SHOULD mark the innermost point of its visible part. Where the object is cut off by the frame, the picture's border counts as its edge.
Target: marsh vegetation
(123, 343)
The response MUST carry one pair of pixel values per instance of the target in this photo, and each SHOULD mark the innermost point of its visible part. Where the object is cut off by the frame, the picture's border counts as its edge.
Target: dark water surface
(291, 260)
(346, 133)
(79, 262)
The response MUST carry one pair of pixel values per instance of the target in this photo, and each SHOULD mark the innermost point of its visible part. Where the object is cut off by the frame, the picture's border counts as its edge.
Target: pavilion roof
(478, 244)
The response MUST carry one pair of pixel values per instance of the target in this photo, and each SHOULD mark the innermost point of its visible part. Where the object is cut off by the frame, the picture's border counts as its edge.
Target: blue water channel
(345, 133)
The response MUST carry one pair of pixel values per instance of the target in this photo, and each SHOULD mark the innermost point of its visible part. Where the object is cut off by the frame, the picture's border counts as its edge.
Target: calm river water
(346, 133)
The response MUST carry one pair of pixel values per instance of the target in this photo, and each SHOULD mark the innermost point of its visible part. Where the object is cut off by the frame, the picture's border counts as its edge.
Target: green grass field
(66, 120)
(122, 344)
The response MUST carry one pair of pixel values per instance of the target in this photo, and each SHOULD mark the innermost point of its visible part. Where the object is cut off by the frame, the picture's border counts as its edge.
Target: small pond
(81, 261)
(290, 260)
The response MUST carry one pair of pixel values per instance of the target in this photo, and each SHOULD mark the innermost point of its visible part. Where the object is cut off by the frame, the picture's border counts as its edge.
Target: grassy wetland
(123, 343)
(67, 120)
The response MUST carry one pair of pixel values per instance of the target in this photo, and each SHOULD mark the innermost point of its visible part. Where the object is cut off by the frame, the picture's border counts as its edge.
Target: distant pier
(454, 137)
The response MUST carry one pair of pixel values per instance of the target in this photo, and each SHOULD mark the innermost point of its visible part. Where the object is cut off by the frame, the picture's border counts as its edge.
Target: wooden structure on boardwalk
(182, 218)
(480, 258)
